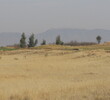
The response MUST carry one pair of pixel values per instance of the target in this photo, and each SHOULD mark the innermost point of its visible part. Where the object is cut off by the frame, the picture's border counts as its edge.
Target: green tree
(23, 41)
(43, 42)
(98, 38)
(32, 41)
(58, 40)
(62, 43)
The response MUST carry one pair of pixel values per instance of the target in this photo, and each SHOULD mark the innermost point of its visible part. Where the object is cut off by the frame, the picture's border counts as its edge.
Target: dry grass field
(55, 73)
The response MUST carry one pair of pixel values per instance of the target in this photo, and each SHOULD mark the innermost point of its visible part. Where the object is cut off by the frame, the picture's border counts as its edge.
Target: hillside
(56, 73)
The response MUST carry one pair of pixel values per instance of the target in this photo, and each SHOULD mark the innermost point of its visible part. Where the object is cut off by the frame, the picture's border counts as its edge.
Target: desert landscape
(54, 72)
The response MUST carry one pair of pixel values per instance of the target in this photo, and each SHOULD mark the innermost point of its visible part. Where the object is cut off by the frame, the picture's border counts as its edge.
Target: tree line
(33, 42)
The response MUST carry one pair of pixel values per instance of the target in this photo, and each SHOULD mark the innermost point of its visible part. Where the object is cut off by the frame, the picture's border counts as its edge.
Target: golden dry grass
(49, 74)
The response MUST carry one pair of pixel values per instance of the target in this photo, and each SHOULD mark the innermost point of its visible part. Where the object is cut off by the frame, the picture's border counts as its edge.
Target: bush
(43, 42)
(75, 43)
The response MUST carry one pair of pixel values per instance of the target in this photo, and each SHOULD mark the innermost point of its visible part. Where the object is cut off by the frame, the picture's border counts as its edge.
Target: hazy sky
(40, 15)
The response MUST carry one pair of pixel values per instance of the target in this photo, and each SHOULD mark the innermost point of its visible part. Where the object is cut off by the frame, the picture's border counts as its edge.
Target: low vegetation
(7, 48)
(75, 43)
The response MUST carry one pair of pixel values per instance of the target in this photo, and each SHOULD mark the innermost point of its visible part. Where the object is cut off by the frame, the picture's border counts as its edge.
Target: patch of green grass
(7, 49)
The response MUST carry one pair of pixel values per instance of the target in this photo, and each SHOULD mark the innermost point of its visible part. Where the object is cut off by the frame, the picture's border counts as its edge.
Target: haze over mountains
(81, 35)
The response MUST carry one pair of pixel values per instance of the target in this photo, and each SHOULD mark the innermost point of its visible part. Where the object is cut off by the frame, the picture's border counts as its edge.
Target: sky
(40, 15)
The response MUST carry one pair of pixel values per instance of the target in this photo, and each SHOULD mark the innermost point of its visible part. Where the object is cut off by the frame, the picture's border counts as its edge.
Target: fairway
(55, 74)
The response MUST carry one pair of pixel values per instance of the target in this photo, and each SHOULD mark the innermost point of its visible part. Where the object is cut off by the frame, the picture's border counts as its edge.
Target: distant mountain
(9, 38)
(66, 35)
(81, 35)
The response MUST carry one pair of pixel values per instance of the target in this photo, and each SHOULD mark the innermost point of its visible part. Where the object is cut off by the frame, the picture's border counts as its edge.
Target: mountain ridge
(67, 35)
